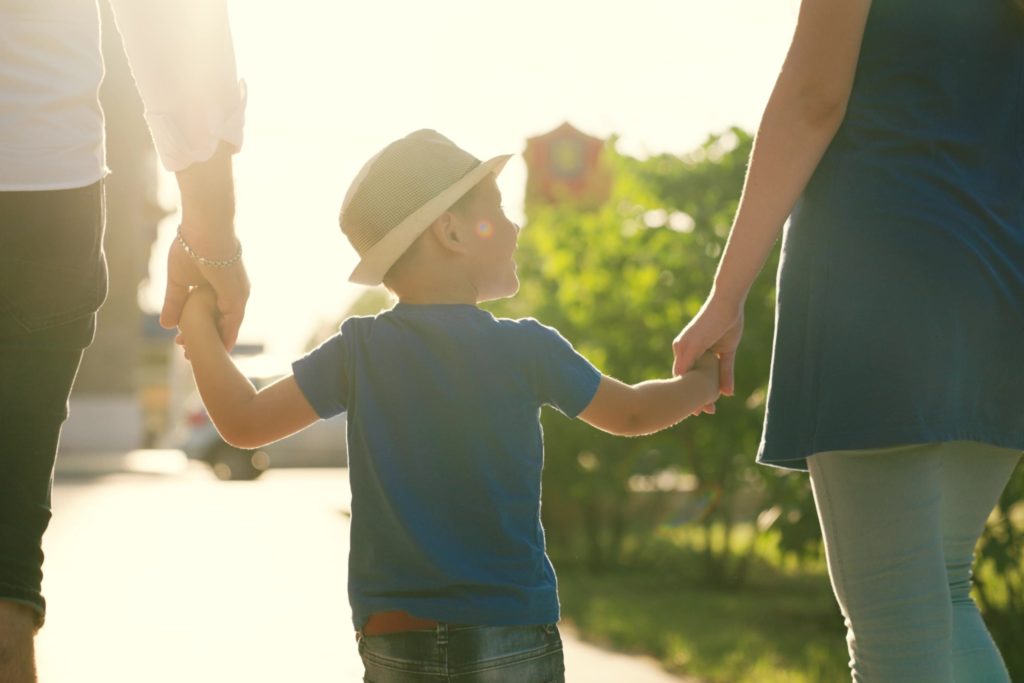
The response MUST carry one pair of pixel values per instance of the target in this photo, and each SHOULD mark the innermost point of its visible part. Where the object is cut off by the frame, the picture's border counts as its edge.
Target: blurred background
(632, 126)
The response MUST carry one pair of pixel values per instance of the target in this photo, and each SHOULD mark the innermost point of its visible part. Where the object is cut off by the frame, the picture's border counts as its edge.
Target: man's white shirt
(51, 66)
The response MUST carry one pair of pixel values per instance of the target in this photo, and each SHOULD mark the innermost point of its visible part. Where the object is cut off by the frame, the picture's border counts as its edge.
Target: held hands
(199, 310)
(707, 366)
(229, 288)
(208, 209)
(717, 328)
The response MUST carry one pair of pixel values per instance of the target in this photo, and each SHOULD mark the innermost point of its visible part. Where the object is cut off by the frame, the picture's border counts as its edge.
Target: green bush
(619, 281)
(999, 574)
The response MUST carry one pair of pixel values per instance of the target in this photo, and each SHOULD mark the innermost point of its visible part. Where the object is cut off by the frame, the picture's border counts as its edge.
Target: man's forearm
(208, 204)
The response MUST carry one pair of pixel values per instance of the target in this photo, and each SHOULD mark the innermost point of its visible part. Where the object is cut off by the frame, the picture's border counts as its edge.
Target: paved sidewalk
(157, 572)
(586, 663)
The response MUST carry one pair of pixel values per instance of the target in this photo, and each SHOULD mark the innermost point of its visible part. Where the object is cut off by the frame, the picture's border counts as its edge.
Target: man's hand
(207, 225)
(230, 286)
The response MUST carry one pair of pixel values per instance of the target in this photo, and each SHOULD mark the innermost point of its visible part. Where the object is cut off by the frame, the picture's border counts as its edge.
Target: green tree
(370, 302)
(999, 574)
(620, 281)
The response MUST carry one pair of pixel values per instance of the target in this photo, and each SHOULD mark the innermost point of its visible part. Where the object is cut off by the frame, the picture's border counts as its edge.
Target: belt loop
(359, 636)
(442, 635)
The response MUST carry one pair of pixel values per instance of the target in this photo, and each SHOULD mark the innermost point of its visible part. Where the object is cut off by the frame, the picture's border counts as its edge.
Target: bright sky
(330, 83)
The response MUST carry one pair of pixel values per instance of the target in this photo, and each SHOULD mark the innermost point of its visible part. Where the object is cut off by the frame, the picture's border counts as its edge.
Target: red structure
(566, 165)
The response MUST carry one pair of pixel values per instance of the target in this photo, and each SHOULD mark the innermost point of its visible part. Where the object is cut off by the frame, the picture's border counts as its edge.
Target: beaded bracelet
(209, 262)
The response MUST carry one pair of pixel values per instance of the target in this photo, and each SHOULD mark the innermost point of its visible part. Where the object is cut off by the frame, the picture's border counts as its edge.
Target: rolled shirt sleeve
(182, 57)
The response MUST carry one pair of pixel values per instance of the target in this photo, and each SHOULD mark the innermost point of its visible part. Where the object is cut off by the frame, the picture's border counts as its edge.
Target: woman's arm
(245, 418)
(648, 407)
(802, 115)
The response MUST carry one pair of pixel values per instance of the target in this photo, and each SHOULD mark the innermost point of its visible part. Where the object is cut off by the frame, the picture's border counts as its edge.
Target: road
(158, 573)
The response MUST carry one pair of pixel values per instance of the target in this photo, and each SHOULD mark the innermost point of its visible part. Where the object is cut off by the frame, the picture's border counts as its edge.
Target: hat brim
(379, 258)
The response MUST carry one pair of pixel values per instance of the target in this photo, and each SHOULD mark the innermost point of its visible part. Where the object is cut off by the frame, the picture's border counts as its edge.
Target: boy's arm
(245, 418)
(651, 406)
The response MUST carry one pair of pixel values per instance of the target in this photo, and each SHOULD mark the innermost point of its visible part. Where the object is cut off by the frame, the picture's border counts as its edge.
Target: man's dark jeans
(53, 279)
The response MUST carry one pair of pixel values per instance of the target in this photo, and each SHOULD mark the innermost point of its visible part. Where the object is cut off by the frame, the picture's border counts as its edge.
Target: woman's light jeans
(900, 526)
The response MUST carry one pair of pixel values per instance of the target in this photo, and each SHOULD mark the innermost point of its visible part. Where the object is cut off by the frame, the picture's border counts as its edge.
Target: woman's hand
(717, 328)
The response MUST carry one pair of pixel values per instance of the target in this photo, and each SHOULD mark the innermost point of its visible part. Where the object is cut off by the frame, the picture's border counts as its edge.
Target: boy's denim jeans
(52, 280)
(900, 525)
(465, 654)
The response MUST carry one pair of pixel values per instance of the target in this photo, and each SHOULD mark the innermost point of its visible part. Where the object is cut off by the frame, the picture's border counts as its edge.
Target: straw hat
(400, 191)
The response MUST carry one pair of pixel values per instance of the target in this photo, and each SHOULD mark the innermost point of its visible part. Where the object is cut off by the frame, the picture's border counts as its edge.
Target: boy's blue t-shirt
(445, 454)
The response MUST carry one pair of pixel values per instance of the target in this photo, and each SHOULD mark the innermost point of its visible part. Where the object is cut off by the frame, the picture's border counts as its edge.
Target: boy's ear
(448, 232)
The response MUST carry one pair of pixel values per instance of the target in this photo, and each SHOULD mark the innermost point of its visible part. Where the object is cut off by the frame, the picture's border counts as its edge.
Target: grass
(781, 626)
(778, 629)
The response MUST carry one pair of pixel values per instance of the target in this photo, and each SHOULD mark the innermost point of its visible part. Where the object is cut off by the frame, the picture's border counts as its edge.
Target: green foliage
(620, 281)
(773, 630)
(370, 302)
(999, 574)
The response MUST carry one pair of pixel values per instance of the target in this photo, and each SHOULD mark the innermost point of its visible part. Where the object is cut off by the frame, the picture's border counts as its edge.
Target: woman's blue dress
(900, 312)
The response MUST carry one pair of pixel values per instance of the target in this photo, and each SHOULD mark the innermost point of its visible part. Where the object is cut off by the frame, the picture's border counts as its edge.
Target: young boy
(448, 573)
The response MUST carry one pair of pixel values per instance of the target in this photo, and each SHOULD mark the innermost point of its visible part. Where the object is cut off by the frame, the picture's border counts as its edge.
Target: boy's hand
(707, 363)
(200, 306)
(708, 366)
(200, 309)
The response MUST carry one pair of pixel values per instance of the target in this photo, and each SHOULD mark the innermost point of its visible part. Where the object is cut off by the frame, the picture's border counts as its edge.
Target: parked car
(322, 444)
